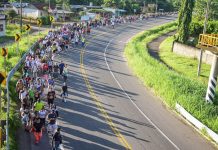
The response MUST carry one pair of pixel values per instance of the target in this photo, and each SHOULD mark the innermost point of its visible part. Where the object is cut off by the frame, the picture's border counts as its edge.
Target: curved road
(109, 108)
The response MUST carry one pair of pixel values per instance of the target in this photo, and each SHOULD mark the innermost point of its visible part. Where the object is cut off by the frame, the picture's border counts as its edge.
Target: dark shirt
(64, 88)
(61, 66)
(36, 95)
(37, 126)
(51, 95)
(52, 118)
(57, 137)
(25, 68)
(56, 68)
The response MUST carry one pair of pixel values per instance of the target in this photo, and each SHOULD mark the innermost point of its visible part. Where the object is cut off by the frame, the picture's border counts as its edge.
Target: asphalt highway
(109, 108)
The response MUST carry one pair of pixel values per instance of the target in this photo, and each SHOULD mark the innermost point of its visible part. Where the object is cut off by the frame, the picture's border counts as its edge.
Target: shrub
(45, 20)
(197, 27)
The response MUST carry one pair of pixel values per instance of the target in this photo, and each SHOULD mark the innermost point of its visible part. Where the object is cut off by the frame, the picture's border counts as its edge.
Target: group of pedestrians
(37, 89)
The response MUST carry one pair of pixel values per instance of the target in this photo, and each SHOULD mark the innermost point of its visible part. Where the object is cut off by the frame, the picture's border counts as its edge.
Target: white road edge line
(105, 58)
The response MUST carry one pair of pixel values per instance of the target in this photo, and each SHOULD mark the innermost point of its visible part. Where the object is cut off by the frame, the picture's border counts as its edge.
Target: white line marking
(105, 57)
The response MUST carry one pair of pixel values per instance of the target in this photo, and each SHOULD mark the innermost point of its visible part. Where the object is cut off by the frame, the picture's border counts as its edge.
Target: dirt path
(153, 47)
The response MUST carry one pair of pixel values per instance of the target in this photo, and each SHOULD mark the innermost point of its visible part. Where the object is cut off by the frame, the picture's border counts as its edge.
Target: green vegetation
(45, 20)
(192, 17)
(13, 56)
(11, 30)
(170, 85)
(183, 65)
(99, 11)
(185, 17)
(196, 28)
(199, 10)
(11, 13)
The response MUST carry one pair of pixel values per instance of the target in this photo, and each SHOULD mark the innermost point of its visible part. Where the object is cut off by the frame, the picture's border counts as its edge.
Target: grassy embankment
(170, 85)
(12, 60)
(184, 65)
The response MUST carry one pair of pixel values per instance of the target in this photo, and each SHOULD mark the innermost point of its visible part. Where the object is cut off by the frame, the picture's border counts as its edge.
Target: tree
(65, 4)
(185, 18)
(11, 1)
(199, 10)
(111, 3)
(176, 4)
(11, 13)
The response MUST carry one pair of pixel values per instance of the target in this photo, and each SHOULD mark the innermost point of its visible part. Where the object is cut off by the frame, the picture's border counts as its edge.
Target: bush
(212, 27)
(45, 20)
(11, 13)
(196, 28)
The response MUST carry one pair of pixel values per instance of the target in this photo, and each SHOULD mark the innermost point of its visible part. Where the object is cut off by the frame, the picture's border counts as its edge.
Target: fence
(208, 42)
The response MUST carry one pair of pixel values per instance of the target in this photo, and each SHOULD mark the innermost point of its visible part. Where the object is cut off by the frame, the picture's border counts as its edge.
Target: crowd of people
(36, 88)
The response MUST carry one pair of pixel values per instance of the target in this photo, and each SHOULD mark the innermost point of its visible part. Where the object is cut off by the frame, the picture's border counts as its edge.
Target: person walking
(65, 72)
(38, 105)
(31, 96)
(64, 92)
(42, 115)
(83, 40)
(57, 140)
(56, 69)
(50, 97)
(52, 124)
(37, 129)
(112, 23)
(61, 67)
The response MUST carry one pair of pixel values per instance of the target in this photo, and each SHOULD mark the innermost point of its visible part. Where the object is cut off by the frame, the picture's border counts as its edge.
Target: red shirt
(28, 79)
(45, 66)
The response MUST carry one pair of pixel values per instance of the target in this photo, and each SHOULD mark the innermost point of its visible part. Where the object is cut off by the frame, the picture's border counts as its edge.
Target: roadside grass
(14, 55)
(184, 65)
(170, 85)
(11, 30)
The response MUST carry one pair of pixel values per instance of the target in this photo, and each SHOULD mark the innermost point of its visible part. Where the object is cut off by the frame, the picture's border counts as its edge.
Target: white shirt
(42, 113)
(23, 95)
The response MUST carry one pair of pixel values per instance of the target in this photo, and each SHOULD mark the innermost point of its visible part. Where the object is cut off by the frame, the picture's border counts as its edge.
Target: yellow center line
(99, 105)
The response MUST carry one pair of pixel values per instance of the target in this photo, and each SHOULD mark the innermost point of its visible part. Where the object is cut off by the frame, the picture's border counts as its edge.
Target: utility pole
(204, 31)
(20, 16)
(63, 11)
(156, 9)
(49, 5)
(144, 7)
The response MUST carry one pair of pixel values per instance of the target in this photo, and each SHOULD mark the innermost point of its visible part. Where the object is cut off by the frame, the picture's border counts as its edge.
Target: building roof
(77, 6)
(17, 5)
(63, 12)
(40, 6)
(114, 10)
(96, 7)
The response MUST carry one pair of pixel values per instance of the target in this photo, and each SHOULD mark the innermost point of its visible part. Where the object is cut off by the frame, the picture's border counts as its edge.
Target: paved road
(109, 108)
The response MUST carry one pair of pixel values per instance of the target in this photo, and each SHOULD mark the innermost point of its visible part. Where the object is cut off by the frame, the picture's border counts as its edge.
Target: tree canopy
(199, 10)
(185, 18)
